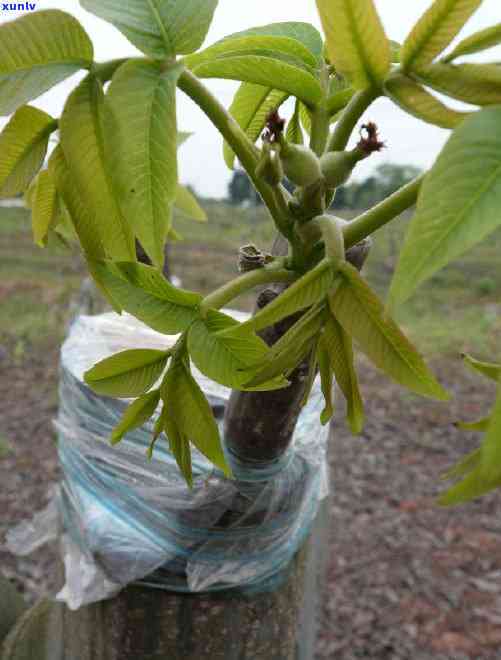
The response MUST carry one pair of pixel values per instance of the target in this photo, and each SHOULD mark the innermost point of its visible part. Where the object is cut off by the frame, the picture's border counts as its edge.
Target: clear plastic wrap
(122, 518)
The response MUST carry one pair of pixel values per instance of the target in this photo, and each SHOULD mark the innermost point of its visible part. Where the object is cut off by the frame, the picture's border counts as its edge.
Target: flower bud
(337, 166)
(270, 167)
(301, 165)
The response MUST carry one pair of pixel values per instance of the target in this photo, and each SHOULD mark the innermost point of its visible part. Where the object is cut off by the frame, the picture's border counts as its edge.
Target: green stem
(276, 198)
(245, 282)
(369, 222)
(320, 121)
(106, 70)
(319, 129)
(351, 115)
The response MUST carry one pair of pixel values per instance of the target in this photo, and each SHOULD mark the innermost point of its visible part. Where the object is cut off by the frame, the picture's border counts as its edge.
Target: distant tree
(241, 190)
(386, 180)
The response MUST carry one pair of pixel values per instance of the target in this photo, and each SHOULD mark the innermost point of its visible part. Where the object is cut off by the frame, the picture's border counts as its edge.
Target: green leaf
(356, 41)
(180, 448)
(142, 126)
(337, 345)
(307, 291)
(435, 30)
(82, 220)
(188, 205)
(38, 51)
(488, 369)
(223, 356)
(466, 465)
(127, 374)
(485, 474)
(23, 147)
(312, 372)
(159, 28)
(478, 84)
(473, 486)
(302, 32)
(137, 414)
(45, 208)
(252, 45)
(289, 351)
(477, 42)
(188, 409)
(294, 132)
(250, 108)
(480, 425)
(458, 205)
(417, 101)
(363, 317)
(265, 71)
(83, 143)
(144, 292)
(327, 380)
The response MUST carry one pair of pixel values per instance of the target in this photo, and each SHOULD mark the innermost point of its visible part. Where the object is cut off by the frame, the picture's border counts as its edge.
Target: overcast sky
(200, 158)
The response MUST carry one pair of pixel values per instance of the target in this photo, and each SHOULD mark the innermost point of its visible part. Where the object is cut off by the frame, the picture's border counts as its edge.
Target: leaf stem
(245, 282)
(349, 118)
(276, 198)
(320, 121)
(383, 213)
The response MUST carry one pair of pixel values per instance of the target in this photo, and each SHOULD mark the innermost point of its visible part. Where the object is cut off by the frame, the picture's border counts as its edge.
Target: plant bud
(270, 167)
(337, 166)
(301, 165)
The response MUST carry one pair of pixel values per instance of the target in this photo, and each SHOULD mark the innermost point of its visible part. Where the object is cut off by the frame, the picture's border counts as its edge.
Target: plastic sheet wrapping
(122, 518)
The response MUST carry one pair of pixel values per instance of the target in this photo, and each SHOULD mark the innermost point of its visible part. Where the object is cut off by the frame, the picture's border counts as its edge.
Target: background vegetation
(458, 309)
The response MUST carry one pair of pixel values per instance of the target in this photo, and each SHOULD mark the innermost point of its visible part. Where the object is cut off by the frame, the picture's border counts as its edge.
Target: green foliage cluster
(112, 181)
